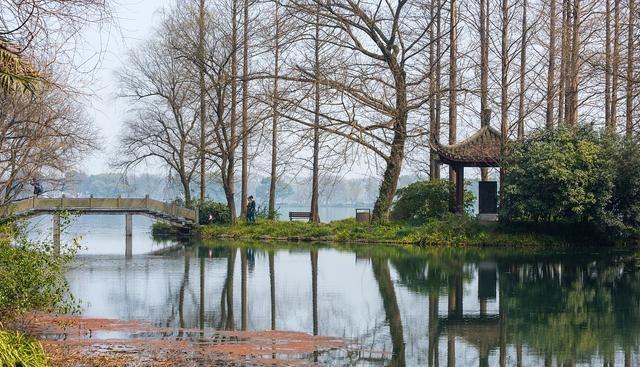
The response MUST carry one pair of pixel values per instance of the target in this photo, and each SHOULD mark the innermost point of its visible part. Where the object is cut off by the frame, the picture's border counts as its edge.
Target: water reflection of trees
(382, 275)
(574, 310)
(565, 309)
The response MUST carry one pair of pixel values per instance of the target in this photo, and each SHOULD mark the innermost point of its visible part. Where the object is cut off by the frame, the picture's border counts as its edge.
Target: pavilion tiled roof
(480, 149)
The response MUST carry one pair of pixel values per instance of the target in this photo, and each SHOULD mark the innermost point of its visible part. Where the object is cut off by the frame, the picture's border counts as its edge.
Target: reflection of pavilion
(483, 331)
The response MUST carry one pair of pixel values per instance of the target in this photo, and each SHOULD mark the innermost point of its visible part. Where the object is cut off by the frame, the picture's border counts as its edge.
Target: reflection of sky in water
(101, 234)
(166, 290)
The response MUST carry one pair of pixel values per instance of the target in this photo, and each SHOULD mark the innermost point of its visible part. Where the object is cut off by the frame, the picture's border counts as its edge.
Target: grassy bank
(451, 231)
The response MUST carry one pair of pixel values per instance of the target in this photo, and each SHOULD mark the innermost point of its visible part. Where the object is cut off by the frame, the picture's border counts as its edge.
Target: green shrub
(262, 212)
(560, 175)
(16, 349)
(625, 203)
(159, 229)
(214, 213)
(423, 200)
(32, 277)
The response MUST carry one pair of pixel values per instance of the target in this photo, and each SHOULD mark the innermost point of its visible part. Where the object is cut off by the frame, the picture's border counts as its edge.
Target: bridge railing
(97, 204)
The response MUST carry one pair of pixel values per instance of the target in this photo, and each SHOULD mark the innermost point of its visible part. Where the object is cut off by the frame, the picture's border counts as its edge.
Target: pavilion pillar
(459, 205)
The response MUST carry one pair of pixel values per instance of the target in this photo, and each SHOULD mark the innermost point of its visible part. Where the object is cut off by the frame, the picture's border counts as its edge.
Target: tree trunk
(227, 160)
(315, 184)
(607, 69)
(434, 127)
(274, 123)
(245, 112)
(568, 65)
(575, 64)
(615, 65)
(187, 190)
(234, 117)
(438, 71)
(504, 88)
(504, 73)
(484, 72)
(551, 88)
(630, 54)
(563, 63)
(453, 75)
(203, 107)
(229, 192)
(396, 155)
(523, 62)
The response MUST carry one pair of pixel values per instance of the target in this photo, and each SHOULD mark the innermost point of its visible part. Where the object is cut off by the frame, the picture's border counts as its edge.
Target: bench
(299, 215)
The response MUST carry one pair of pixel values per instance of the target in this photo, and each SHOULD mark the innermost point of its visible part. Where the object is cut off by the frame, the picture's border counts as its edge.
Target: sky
(107, 47)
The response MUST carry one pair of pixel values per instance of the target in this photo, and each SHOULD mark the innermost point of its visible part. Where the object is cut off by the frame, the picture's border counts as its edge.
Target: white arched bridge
(166, 212)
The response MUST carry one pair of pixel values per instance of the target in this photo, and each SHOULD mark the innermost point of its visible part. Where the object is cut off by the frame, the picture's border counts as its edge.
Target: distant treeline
(291, 191)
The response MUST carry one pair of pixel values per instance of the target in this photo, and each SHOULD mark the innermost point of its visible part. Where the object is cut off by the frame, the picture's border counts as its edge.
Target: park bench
(299, 215)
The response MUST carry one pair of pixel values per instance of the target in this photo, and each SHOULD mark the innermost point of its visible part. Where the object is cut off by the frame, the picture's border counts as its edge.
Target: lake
(396, 306)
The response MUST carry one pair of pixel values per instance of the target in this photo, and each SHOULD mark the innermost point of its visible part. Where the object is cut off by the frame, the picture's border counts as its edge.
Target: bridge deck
(169, 212)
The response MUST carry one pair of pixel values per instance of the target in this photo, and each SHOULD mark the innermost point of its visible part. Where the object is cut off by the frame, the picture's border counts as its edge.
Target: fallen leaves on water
(86, 342)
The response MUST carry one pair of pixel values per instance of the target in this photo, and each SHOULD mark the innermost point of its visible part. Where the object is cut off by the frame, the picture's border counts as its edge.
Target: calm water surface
(402, 307)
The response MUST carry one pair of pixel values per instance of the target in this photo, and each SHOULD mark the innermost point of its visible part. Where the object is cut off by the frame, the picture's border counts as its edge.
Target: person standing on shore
(251, 211)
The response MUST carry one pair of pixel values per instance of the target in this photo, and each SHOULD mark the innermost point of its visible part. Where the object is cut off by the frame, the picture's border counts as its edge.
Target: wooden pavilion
(482, 149)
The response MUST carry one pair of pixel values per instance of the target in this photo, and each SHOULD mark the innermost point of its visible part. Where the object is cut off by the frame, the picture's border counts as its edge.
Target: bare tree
(523, 67)
(164, 122)
(575, 65)
(563, 61)
(274, 122)
(551, 81)
(607, 70)
(382, 41)
(504, 72)
(42, 135)
(203, 91)
(315, 179)
(615, 64)
(233, 136)
(484, 72)
(434, 85)
(453, 78)
(183, 36)
(245, 111)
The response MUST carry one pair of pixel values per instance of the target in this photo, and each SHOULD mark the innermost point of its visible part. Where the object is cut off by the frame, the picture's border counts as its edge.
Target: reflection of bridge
(170, 213)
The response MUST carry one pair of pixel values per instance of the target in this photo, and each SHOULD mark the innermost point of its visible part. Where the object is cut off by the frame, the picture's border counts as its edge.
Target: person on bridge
(251, 211)
(37, 187)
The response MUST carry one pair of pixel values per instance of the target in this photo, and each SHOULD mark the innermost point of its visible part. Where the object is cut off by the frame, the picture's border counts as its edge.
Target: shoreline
(448, 232)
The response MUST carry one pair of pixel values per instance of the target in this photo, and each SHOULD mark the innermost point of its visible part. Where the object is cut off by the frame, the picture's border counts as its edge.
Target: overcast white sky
(135, 22)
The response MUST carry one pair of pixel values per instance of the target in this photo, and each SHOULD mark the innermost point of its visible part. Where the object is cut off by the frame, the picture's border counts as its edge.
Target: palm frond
(16, 74)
